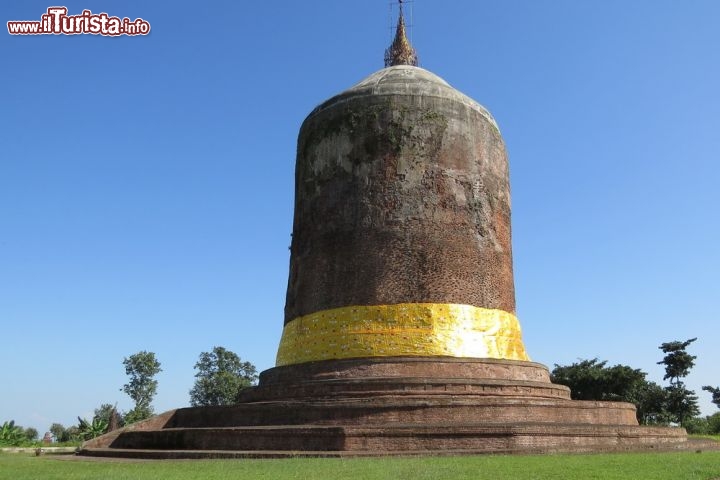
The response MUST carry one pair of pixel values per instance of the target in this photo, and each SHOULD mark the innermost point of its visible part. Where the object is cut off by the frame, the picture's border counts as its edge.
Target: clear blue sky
(146, 183)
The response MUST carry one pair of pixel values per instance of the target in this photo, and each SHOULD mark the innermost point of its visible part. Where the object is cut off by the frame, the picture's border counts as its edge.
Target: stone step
(364, 387)
(439, 409)
(402, 368)
(313, 440)
(279, 454)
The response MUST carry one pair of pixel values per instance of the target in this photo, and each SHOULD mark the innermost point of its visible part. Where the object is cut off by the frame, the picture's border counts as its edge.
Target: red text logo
(57, 22)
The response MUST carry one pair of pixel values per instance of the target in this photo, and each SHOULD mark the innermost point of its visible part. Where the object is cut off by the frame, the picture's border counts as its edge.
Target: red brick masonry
(393, 406)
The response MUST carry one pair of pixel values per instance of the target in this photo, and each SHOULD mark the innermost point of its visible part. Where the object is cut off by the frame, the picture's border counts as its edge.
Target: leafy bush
(138, 414)
(90, 430)
(109, 414)
(697, 426)
(11, 434)
(31, 434)
(714, 424)
(59, 433)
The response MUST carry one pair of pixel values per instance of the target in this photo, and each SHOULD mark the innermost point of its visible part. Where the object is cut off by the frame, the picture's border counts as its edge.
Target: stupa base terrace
(392, 406)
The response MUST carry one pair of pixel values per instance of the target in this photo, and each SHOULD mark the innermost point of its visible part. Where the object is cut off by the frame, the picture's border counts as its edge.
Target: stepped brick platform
(392, 406)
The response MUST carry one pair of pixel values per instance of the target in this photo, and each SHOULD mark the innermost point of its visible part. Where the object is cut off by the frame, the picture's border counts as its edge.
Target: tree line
(220, 375)
(656, 405)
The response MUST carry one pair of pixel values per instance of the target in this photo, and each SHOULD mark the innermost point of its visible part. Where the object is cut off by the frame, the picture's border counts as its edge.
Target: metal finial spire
(400, 52)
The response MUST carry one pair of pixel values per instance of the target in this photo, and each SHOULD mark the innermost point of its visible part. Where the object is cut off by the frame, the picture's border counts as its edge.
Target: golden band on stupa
(410, 329)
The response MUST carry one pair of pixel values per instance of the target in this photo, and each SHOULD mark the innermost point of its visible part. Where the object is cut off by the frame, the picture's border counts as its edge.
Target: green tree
(62, 434)
(677, 360)
(220, 375)
(715, 392)
(105, 412)
(681, 402)
(31, 434)
(73, 434)
(584, 379)
(650, 399)
(59, 432)
(593, 380)
(698, 426)
(141, 368)
(714, 423)
(138, 413)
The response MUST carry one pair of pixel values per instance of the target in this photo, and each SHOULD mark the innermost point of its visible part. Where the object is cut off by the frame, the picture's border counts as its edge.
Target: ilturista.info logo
(57, 22)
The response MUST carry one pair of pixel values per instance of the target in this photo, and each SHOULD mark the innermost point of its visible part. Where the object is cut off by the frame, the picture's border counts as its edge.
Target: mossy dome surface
(404, 80)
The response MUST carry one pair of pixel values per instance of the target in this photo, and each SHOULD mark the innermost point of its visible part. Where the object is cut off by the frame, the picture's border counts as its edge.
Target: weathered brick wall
(402, 196)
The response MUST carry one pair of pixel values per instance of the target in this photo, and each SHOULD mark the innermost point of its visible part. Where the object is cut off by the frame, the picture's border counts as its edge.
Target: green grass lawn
(637, 466)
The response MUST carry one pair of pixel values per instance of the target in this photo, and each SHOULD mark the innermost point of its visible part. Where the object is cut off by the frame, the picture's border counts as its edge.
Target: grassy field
(645, 466)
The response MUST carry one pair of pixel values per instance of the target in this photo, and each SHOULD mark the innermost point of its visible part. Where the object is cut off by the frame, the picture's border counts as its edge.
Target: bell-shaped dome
(406, 80)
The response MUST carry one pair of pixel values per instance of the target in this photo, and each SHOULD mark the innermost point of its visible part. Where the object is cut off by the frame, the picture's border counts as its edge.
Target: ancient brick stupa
(400, 331)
